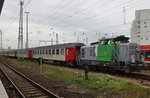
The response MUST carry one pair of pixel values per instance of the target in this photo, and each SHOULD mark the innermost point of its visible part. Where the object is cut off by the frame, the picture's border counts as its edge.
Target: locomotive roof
(66, 45)
(121, 38)
(118, 38)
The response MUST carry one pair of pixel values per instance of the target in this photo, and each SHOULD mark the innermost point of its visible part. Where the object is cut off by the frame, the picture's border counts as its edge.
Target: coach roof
(66, 45)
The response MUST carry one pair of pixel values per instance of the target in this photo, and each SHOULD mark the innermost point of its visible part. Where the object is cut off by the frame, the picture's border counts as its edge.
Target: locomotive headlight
(132, 58)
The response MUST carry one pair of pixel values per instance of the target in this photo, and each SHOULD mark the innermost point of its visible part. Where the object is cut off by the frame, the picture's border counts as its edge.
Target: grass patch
(97, 81)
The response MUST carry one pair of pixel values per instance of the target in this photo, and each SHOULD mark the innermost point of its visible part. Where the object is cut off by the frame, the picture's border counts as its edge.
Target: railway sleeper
(24, 86)
(27, 90)
(43, 97)
(32, 92)
(35, 95)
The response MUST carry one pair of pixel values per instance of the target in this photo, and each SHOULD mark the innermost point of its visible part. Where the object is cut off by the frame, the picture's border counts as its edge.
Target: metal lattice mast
(20, 36)
(1, 41)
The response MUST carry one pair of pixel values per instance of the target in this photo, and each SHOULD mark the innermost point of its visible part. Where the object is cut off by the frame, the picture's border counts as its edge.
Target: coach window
(50, 51)
(53, 51)
(57, 51)
(67, 52)
(46, 51)
(62, 51)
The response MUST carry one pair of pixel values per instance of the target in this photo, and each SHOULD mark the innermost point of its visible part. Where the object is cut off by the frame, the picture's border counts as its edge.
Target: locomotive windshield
(119, 39)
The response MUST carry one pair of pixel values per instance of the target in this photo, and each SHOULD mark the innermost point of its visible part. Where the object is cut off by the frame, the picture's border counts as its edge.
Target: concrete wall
(140, 30)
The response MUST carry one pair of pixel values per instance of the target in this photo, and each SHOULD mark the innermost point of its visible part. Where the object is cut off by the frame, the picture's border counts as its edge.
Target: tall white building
(140, 30)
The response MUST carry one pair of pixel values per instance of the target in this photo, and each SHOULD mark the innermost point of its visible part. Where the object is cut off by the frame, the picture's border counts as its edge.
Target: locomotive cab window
(91, 53)
(83, 54)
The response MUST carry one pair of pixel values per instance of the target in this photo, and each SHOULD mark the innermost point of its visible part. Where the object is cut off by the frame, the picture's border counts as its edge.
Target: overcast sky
(69, 19)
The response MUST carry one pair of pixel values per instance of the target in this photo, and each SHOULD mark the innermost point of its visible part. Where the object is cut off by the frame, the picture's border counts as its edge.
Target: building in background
(140, 32)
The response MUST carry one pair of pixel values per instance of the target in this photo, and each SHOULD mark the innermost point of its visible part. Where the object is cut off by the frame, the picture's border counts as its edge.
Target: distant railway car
(12, 53)
(66, 53)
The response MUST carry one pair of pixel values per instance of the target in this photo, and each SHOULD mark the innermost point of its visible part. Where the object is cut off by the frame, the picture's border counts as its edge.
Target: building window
(144, 22)
(141, 38)
(138, 26)
(145, 26)
(146, 38)
(57, 51)
(139, 22)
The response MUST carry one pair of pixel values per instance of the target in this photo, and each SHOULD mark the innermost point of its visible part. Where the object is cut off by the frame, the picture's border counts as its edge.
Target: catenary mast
(20, 36)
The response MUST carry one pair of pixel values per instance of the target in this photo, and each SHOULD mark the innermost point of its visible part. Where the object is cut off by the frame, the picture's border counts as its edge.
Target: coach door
(70, 54)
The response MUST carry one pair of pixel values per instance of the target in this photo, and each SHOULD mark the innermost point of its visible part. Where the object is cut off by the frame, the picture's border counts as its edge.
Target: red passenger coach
(64, 53)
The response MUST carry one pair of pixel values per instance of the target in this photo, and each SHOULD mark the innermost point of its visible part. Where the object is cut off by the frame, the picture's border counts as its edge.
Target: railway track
(137, 76)
(124, 74)
(25, 86)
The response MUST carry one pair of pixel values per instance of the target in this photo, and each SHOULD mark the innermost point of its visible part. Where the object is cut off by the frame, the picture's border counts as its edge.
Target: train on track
(108, 53)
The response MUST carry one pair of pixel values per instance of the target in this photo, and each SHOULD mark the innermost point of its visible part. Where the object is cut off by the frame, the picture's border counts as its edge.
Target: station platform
(3, 93)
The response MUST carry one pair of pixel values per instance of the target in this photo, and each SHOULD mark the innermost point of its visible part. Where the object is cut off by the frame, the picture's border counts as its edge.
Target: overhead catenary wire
(15, 18)
(103, 16)
(61, 8)
(82, 20)
(81, 3)
(101, 5)
(54, 12)
(92, 16)
(51, 11)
